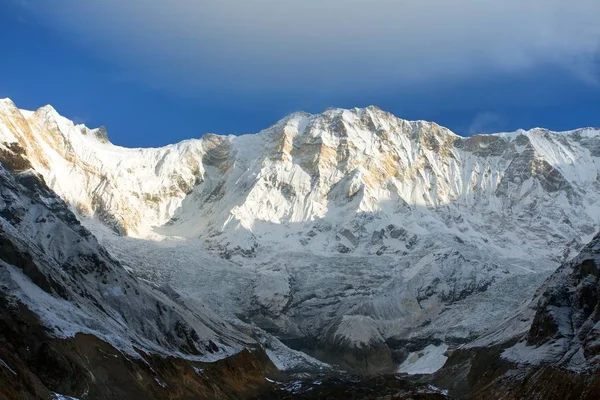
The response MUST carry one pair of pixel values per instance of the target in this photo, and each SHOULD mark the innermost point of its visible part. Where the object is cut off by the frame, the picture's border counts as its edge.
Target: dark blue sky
(44, 63)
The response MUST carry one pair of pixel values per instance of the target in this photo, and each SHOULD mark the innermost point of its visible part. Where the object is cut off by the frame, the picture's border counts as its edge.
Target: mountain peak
(6, 102)
(48, 111)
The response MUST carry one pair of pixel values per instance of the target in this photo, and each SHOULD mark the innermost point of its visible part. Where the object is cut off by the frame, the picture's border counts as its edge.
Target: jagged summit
(363, 158)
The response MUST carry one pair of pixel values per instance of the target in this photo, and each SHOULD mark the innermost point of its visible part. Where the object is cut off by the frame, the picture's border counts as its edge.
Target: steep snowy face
(353, 227)
(365, 176)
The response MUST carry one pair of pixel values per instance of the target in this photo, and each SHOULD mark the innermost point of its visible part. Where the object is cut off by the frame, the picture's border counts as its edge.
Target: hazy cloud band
(338, 44)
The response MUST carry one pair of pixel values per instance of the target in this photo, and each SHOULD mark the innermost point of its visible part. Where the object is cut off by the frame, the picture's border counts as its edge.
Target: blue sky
(157, 71)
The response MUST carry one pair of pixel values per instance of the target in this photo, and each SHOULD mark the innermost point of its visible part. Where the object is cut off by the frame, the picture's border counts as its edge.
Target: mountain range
(350, 240)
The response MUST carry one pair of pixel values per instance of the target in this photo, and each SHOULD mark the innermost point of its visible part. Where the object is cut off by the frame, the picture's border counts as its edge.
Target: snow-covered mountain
(350, 229)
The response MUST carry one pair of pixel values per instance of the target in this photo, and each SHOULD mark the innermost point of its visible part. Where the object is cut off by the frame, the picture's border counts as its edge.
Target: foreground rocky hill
(352, 235)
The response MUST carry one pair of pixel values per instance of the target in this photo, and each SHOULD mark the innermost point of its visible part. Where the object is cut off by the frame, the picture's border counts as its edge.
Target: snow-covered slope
(351, 226)
(57, 269)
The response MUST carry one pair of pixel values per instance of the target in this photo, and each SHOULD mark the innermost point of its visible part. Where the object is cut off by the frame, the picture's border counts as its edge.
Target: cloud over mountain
(349, 44)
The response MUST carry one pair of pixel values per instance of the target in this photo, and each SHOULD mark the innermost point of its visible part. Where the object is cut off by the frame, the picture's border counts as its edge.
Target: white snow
(521, 353)
(286, 359)
(426, 361)
(58, 396)
(3, 364)
(160, 382)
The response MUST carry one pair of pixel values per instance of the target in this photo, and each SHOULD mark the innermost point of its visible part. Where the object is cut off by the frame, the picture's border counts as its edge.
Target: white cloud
(353, 44)
(485, 122)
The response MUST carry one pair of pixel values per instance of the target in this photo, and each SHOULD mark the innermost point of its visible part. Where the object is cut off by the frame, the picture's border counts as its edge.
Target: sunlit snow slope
(350, 228)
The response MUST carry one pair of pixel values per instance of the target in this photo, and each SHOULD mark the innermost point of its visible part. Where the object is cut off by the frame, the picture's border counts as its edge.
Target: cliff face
(311, 167)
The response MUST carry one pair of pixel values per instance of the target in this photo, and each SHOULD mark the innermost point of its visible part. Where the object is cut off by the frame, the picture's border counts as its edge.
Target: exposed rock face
(327, 218)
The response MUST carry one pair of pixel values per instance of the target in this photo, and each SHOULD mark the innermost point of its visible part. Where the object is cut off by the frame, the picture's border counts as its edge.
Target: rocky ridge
(554, 357)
